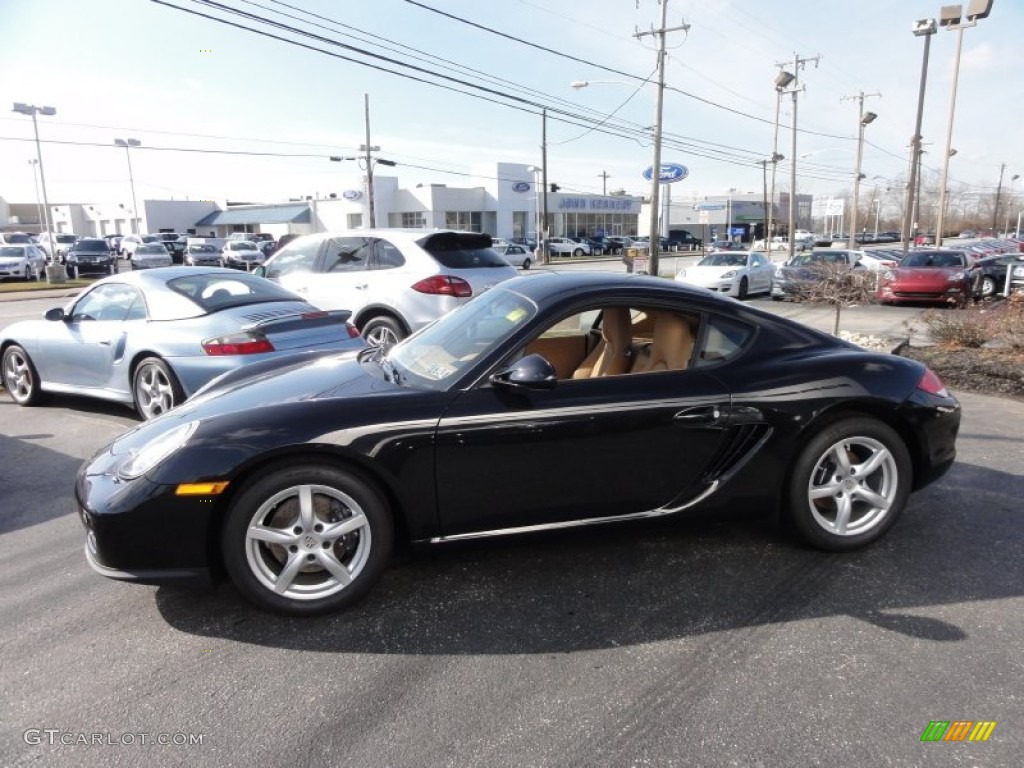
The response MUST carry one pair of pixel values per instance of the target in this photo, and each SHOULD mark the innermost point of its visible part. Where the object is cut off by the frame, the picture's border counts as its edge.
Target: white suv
(394, 281)
(563, 246)
(56, 245)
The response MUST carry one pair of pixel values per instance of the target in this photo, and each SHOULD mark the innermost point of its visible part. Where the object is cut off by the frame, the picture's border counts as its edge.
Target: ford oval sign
(670, 172)
(521, 186)
(351, 194)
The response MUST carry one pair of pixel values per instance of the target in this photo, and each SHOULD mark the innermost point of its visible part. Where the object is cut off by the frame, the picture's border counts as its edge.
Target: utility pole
(924, 28)
(999, 192)
(862, 120)
(654, 229)
(604, 176)
(798, 64)
(367, 148)
(545, 254)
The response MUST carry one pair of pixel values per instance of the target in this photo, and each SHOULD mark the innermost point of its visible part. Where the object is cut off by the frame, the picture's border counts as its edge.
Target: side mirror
(55, 314)
(260, 271)
(530, 372)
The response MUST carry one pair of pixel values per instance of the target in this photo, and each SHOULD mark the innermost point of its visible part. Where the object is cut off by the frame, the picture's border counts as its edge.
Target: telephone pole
(655, 229)
(862, 120)
(542, 237)
(798, 64)
(367, 148)
(604, 176)
(995, 210)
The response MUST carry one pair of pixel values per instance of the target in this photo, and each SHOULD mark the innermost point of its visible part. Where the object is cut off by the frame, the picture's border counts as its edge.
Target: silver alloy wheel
(17, 375)
(381, 336)
(853, 486)
(308, 542)
(153, 391)
(988, 286)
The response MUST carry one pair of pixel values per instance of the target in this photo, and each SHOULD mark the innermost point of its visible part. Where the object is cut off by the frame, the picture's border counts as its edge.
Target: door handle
(106, 342)
(302, 289)
(362, 287)
(700, 414)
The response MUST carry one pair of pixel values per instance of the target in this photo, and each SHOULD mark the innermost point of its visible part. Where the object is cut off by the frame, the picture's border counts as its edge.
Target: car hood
(924, 275)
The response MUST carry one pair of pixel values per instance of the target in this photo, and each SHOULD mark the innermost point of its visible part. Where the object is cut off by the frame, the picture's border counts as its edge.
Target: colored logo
(670, 172)
(958, 730)
(351, 194)
(521, 186)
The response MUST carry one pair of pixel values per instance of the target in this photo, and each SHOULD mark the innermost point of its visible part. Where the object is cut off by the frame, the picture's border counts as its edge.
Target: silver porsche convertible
(152, 338)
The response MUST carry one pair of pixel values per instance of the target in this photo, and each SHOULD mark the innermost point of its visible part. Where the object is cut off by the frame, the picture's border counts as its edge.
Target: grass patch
(17, 286)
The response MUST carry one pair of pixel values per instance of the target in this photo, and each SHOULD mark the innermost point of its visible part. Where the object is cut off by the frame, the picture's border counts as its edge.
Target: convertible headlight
(956, 277)
(155, 451)
(730, 273)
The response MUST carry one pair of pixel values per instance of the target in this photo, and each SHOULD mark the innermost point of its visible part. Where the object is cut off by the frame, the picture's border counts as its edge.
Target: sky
(259, 117)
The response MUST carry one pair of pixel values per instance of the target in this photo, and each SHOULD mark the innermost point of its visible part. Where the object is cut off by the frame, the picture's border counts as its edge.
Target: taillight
(352, 331)
(237, 344)
(932, 384)
(445, 285)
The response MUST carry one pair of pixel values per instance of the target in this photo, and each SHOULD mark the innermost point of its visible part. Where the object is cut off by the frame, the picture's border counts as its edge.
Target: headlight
(1018, 271)
(956, 277)
(72, 257)
(152, 453)
(730, 273)
(889, 275)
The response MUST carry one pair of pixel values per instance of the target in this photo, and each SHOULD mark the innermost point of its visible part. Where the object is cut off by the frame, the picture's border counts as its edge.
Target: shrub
(1009, 324)
(970, 327)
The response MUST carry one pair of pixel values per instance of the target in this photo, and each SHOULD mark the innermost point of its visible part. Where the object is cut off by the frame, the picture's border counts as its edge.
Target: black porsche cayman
(550, 401)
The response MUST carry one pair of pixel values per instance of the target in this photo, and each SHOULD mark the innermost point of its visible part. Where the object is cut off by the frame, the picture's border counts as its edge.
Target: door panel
(587, 448)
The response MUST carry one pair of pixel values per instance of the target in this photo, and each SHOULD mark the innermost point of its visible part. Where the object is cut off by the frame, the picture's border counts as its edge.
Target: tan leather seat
(671, 347)
(611, 356)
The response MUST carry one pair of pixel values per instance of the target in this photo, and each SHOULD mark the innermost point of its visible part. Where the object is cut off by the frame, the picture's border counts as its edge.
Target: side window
(348, 254)
(109, 302)
(300, 256)
(724, 340)
(387, 256)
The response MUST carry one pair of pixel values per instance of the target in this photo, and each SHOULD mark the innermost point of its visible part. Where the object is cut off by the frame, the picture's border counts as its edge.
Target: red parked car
(930, 277)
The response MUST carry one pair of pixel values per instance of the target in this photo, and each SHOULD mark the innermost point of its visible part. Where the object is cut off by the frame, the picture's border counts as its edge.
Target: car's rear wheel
(307, 539)
(526, 263)
(578, 252)
(849, 484)
(155, 388)
(20, 377)
(988, 286)
(382, 331)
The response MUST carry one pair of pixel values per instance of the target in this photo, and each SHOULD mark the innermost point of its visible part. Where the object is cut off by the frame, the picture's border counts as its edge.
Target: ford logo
(670, 172)
(351, 194)
(521, 186)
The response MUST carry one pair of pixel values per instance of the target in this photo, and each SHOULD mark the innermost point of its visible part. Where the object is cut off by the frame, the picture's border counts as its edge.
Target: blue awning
(257, 214)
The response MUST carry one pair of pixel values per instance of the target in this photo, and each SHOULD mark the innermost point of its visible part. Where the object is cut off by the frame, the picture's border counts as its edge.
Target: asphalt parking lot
(711, 641)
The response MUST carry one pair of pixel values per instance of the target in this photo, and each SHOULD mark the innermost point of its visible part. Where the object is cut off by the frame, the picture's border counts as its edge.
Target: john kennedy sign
(670, 173)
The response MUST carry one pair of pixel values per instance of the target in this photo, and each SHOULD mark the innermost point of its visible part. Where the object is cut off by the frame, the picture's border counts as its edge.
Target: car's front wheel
(849, 484)
(155, 388)
(382, 331)
(20, 377)
(743, 289)
(988, 287)
(526, 263)
(578, 252)
(307, 539)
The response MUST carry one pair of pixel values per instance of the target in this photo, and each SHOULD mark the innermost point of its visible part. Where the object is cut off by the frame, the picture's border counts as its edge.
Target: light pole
(866, 118)
(33, 110)
(1006, 226)
(128, 144)
(922, 28)
(782, 80)
(39, 206)
(949, 17)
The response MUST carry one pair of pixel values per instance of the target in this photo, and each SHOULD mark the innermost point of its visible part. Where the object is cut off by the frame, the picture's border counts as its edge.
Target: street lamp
(922, 28)
(781, 81)
(33, 110)
(39, 206)
(949, 18)
(866, 118)
(128, 144)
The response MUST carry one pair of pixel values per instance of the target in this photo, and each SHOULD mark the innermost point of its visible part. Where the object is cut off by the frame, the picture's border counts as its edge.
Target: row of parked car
(953, 275)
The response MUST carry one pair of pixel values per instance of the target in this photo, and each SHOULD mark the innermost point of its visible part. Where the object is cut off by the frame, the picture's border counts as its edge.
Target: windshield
(723, 260)
(819, 257)
(92, 246)
(202, 249)
(12, 250)
(933, 260)
(144, 249)
(241, 246)
(18, 238)
(441, 350)
(66, 239)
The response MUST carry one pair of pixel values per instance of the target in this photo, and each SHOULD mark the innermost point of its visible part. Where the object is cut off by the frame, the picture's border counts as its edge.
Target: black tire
(988, 287)
(20, 377)
(155, 388)
(298, 544)
(382, 331)
(578, 252)
(526, 263)
(820, 489)
(743, 289)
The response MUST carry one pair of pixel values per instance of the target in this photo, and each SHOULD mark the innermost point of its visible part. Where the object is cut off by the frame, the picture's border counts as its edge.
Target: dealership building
(502, 199)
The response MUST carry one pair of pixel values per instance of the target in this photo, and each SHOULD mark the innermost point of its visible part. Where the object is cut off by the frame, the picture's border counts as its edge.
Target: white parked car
(734, 273)
(56, 245)
(241, 254)
(515, 254)
(394, 281)
(22, 260)
(876, 262)
(150, 255)
(563, 246)
(130, 242)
